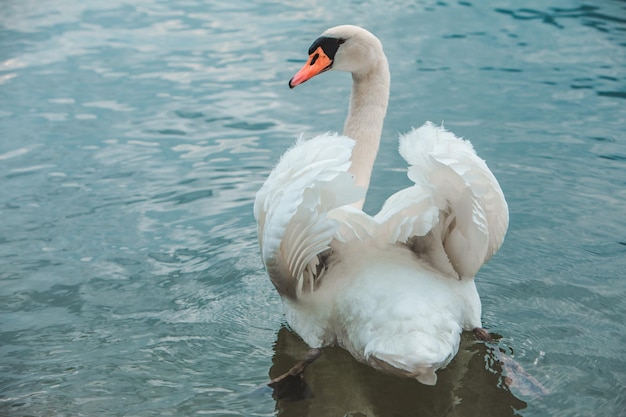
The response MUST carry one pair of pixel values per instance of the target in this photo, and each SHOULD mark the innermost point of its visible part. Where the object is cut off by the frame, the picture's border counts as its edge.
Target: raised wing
(292, 207)
(455, 215)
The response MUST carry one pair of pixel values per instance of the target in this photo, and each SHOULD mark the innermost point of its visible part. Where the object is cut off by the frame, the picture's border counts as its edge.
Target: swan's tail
(417, 355)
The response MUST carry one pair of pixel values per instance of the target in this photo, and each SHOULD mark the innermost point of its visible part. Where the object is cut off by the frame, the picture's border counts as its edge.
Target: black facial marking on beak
(328, 45)
(314, 59)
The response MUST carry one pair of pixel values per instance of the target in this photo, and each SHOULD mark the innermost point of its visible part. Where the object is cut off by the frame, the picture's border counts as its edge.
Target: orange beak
(318, 62)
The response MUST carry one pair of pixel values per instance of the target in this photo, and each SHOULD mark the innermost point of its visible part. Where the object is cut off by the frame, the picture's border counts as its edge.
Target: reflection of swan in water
(340, 386)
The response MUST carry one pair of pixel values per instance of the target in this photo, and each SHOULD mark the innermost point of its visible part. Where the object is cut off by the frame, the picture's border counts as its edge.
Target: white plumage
(396, 289)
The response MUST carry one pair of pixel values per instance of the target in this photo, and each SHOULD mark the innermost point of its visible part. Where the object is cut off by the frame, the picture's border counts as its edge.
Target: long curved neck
(364, 124)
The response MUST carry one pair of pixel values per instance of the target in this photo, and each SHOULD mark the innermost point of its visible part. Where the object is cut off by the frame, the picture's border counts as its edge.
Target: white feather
(292, 206)
(460, 186)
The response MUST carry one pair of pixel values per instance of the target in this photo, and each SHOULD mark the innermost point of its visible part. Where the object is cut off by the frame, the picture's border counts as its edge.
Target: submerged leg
(482, 334)
(291, 384)
(514, 375)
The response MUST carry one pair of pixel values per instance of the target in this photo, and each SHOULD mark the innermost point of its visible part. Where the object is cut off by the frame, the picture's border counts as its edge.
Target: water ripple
(136, 134)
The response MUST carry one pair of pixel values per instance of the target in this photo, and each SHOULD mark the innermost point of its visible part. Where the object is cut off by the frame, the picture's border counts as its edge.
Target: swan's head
(343, 48)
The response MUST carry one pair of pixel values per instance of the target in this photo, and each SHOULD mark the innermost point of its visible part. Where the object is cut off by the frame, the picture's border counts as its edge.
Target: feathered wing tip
(473, 214)
(292, 208)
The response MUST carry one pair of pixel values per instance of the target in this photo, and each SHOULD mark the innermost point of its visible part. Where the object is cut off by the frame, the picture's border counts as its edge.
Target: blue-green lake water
(134, 135)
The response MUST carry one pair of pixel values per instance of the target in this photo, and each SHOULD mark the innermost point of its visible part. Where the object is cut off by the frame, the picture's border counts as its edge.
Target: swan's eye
(341, 41)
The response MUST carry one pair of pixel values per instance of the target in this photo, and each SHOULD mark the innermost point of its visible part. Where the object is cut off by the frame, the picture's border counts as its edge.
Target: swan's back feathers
(292, 208)
(455, 214)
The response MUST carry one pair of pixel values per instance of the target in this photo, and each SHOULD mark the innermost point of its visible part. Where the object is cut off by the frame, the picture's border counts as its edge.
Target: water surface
(134, 135)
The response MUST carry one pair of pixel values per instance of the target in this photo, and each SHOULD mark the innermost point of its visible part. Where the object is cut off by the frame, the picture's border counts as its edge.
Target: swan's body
(397, 289)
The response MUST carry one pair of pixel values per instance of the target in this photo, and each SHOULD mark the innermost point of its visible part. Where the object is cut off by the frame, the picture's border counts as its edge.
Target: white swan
(396, 290)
